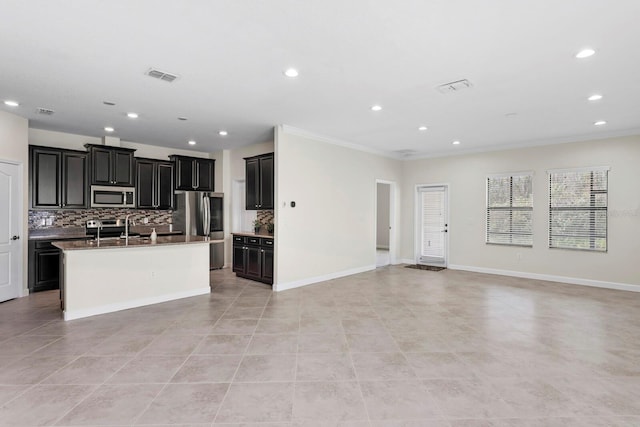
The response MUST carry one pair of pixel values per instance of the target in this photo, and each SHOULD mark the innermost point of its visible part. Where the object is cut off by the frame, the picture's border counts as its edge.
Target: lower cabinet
(253, 258)
(44, 266)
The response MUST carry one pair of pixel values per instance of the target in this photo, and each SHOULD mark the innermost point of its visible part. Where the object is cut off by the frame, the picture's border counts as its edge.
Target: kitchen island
(112, 275)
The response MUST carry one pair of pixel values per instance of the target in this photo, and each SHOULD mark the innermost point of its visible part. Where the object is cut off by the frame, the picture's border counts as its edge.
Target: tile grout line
(215, 417)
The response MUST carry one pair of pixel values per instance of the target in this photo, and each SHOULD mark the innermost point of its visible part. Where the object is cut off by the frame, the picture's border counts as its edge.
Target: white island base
(107, 279)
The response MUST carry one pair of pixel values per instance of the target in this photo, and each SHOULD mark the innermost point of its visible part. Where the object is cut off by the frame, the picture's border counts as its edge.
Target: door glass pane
(432, 245)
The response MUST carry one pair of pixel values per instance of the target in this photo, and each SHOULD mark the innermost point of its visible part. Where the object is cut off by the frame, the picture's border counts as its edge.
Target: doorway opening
(385, 231)
(432, 225)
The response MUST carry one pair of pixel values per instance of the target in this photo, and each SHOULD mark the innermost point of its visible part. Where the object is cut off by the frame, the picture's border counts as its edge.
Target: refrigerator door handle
(206, 217)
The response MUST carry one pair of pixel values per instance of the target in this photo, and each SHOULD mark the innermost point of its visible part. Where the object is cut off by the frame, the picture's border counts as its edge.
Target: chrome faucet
(126, 229)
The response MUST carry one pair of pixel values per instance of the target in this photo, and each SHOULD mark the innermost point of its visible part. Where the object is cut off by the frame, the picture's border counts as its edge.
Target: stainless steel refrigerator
(199, 213)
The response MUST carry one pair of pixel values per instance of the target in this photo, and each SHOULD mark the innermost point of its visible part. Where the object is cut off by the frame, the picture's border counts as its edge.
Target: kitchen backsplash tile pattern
(265, 217)
(77, 218)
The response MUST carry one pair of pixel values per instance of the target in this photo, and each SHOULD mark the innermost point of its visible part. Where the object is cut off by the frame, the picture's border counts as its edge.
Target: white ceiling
(70, 56)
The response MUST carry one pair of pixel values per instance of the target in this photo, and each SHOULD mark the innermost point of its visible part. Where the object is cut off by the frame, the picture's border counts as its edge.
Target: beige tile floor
(393, 347)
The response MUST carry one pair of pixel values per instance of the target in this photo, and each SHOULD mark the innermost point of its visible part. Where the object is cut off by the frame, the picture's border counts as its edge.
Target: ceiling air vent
(161, 75)
(45, 111)
(456, 86)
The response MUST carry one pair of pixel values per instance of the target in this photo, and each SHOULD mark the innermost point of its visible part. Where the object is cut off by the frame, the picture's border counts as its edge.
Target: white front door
(10, 227)
(432, 225)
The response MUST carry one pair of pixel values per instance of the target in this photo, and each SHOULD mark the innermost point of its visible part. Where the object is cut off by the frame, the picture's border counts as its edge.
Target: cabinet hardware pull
(15, 238)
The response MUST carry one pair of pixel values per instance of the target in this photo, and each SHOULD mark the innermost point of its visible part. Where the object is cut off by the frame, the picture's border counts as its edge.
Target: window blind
(578, 209)
(510, 209)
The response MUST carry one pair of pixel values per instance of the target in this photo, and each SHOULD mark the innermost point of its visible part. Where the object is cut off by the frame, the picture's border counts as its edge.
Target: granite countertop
(161, 230)
(80, 233)
(265, 236)
(58, 233)
(134, 242)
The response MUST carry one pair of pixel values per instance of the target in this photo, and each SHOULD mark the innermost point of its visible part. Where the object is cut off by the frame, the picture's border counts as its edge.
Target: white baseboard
(405, 261)
(311, 280)
(549, 277)
(110, 308)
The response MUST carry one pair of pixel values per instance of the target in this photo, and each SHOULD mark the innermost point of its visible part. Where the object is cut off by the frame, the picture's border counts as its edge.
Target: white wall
(331, 231)
(466, 176)
(383, 215)
(14, 147)
(71, 141)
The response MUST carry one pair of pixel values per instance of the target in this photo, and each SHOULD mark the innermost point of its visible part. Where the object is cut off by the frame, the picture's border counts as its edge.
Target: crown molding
(530, 143)
(334, 141)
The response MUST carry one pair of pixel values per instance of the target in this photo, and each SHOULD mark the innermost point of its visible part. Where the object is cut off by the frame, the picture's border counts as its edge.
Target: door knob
(15, 237)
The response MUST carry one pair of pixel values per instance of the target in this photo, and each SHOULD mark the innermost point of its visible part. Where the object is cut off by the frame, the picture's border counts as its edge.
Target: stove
(109, 228)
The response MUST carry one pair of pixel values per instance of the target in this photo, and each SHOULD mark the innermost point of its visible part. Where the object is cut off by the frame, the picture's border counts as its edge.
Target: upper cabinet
(111, 165)
(154, 184)
(57, 178)
(259, 182)
(193, 173)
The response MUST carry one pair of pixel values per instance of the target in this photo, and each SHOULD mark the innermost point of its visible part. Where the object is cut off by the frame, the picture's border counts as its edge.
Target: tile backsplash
(41, 219)
(265, 217)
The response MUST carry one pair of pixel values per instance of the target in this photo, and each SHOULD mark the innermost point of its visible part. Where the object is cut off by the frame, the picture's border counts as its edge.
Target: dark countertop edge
(166, 241)
(57, 234)
(265, 236)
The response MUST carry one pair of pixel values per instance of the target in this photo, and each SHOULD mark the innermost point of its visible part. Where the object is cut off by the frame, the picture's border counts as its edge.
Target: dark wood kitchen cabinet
(111, 165)
(154, 184)
(259, 172)
(253, 258)
(58, 178)
(193, 173)
(44, 266)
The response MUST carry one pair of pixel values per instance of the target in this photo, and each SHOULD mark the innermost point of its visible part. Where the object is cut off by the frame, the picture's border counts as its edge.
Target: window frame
(509, 208)
(592, 208)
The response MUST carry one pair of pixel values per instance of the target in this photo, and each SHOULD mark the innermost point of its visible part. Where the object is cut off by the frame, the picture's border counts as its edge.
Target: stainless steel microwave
(103, 196)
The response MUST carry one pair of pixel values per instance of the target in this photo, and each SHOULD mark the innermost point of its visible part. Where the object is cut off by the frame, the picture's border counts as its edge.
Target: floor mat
(425, 267)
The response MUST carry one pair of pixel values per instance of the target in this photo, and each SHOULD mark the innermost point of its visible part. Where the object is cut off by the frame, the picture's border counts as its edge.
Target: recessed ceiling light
(132, 115)
(595, 97)
(600, 123)
(192, 142)
(376, 108)
(109, 129)
(585, 53)
(291, 72)
(11, 103)
(423, 128)
(456, 142)
(182, 118)
(223, 133)
(109, 103)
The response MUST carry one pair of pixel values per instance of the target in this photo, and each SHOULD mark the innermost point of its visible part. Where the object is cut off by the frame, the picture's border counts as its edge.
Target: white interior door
(10, 226)
(432, 225)
(385, 217)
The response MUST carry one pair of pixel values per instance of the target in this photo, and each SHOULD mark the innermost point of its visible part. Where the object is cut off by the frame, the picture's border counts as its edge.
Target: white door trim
(22, 231)
(417, 226)
(392, 218)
